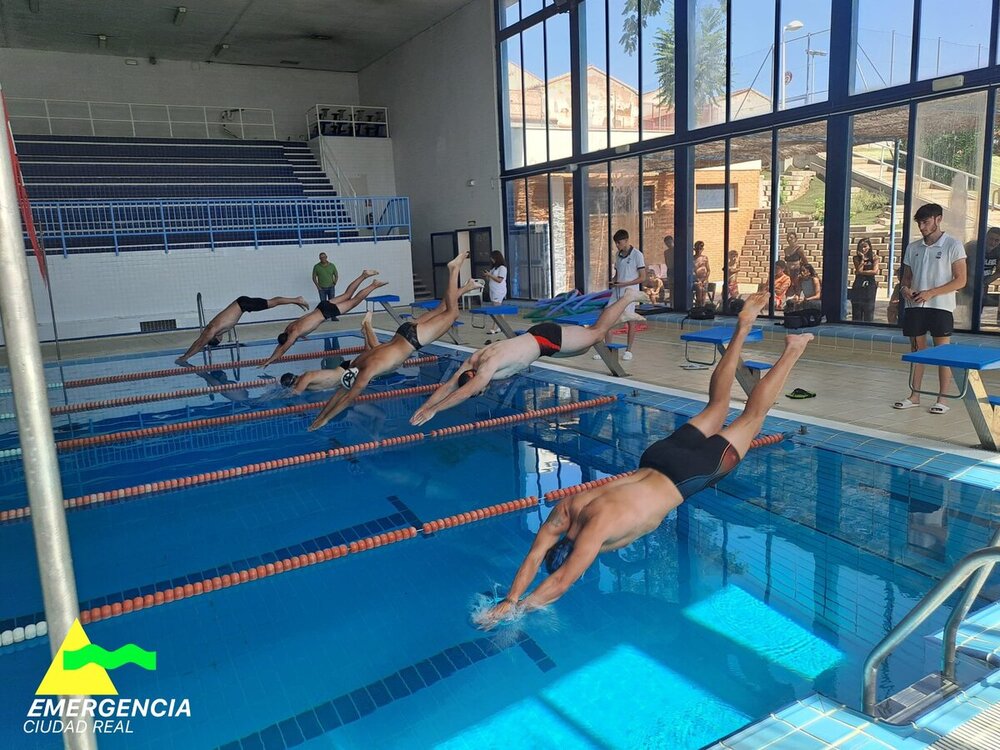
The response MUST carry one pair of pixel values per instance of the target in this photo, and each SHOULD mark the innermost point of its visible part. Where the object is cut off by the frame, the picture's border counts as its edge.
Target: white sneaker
(596, 356)
(627, 355)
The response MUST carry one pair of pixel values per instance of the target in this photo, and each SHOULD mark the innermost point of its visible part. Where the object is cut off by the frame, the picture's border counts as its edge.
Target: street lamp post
(790, 26)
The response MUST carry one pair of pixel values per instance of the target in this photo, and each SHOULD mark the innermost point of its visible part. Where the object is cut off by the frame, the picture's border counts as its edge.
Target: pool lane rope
(140, 490)
(149, 374)
(167, 595)
(197, 424)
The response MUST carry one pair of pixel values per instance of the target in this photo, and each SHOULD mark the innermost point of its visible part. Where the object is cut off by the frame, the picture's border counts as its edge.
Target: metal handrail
(961, 610)
(934, 598)
(201, 313)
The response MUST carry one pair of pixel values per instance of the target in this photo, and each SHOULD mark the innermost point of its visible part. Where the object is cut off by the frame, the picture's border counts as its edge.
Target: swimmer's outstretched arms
(697, 455)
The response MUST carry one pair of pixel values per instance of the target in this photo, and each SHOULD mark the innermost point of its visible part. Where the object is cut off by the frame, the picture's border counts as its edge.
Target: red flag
(22, 198)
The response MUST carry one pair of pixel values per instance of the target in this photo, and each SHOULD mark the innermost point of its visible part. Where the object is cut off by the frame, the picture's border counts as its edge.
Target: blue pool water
(775, 584)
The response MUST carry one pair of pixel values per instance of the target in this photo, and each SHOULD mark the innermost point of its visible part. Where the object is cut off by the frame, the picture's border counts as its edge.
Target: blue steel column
(38, 448)
(837, 216)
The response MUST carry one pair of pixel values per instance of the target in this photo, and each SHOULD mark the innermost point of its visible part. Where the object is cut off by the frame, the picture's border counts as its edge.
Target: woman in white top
(497, 277)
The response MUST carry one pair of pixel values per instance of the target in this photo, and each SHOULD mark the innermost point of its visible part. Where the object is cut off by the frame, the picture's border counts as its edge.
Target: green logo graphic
(93, 654)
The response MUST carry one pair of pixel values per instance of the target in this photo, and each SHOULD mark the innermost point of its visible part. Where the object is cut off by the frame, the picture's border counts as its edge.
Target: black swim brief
(690, 460)
(409, 332)
(548, 336)
(251, 304)
(330, 311)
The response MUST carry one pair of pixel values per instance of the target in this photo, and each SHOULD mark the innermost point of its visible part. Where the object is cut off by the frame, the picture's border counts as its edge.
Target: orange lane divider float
(197, 424)
(146, 398)
(165, 596)
(139, 490)
(490, 511)
(524, 416)
(148, 374)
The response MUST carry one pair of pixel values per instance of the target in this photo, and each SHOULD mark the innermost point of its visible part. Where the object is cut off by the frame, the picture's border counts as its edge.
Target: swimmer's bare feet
(637, 296)
(458, 259)
(796, 343)
(377, 284)
(469, 286)
(182, 362)
(301, 302)
(369, 272)
(752, 307)
(367, 320)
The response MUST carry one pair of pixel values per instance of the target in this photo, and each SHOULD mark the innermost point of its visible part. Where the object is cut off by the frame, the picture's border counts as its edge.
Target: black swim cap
(215, 341)
(282, 338)
(465, 377)
(558, 554)
(288, 380)
(218, 374)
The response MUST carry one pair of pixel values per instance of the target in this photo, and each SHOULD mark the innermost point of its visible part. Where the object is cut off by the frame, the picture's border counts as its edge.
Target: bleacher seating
(94, 168)
(93, 194)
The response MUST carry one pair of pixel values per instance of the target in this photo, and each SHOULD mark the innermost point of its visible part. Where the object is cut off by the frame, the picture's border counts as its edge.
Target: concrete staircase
(420, 290)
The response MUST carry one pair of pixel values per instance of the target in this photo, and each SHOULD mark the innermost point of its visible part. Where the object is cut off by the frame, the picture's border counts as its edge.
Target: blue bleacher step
(752, 364)
(520, 332)
(617, 346)
(994, 400)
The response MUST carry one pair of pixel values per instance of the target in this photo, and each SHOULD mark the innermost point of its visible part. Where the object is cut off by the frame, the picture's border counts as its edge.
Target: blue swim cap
(558, 554)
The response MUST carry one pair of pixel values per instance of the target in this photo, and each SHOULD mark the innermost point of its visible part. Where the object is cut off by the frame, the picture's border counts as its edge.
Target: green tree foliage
(709, 71)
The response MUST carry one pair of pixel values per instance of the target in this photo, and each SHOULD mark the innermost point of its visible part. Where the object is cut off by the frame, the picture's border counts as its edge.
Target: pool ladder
(232, 337)
(976, 565)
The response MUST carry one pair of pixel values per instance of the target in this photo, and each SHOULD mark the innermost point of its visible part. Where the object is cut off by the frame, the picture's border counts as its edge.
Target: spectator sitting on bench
(652, 286)
(808, 295)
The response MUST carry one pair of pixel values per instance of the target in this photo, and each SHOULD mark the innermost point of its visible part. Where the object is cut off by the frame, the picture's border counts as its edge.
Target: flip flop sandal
(905, 404)
(939, 409)
(800, 393)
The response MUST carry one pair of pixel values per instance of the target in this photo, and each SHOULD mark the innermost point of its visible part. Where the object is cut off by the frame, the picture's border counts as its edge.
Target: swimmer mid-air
(508, 357)
(697, 455)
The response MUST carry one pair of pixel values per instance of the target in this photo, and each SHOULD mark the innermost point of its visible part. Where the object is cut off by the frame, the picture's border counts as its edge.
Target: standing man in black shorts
(934, 268)
(228, 318)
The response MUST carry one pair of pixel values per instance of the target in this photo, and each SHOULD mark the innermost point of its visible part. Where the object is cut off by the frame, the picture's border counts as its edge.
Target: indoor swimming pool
(773, 585)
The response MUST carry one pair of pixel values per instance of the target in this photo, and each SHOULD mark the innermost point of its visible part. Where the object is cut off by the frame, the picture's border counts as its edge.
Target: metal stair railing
(980, 562)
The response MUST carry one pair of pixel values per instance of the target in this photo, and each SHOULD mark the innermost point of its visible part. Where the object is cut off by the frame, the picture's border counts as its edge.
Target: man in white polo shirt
(934, 268)
(629, 265)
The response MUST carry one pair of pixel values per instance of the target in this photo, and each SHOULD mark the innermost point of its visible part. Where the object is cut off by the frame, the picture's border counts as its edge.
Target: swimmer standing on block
(697, 455)
(510, 356)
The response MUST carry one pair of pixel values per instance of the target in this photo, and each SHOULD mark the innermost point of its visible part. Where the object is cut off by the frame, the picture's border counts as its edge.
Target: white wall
(440, 88)
(63, 75)
(366, 162)
(96, 294)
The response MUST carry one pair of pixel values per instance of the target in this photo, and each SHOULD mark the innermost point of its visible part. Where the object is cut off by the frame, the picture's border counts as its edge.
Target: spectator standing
(991, 268)
(867, 267)
(629, 266)
(934, 268)
(794, 256)
(325, 278)
(497, 278)
(702, 270)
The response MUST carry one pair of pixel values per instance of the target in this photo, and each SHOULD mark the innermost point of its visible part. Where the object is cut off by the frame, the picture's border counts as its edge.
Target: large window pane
(990, 251)
(513, 104)
(805, 45)
(539, 238)
(595, 82)
(883, 46)
(658, 224)
(752, 66)
(510, 13)
(516, 205)
(709, 249)
(563, 261)
(878, 187)
(708, 63)
(948, 171)
(535, 106)
(750, 221)
(625, 201)
(801, 209)
(595, 185)
(954, 36)
(560, 100)
(658, 71)
(624, 72)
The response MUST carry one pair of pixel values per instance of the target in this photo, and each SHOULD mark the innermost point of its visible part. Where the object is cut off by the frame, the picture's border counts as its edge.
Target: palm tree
(709, 71)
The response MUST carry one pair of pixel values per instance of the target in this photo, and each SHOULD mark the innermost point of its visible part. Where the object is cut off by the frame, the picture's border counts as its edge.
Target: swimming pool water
(775, 584)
